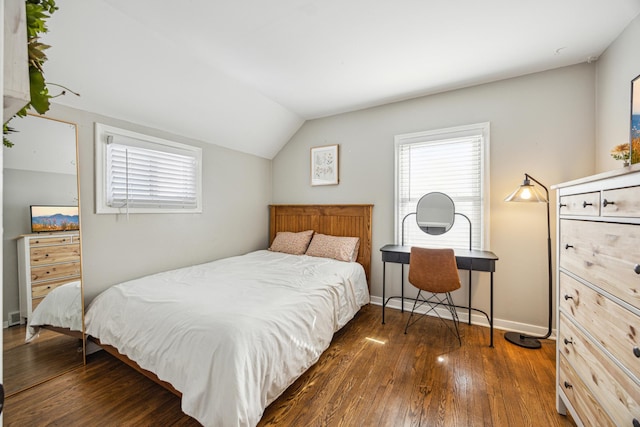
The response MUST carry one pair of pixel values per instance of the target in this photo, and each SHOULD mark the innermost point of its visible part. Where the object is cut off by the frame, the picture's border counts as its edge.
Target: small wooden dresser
(45, 261)
(598, 314)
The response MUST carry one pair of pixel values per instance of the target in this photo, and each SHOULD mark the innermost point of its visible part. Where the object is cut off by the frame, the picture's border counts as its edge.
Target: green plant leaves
(39, 92)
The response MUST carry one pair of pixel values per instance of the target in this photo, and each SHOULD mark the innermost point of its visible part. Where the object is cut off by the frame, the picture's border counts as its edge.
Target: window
(137, 173)
(453, 161)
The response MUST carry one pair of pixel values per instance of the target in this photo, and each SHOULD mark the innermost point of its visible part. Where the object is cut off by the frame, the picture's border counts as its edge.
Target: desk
(466, 260)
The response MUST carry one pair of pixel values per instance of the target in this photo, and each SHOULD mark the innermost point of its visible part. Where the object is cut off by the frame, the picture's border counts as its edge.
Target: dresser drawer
(606, 254)
(54, 254)
(589, 411)
(611, 388)
(580, 204)
(617, 328)
(57, 271)
(55, 240)
(42, 289)
(621, 202)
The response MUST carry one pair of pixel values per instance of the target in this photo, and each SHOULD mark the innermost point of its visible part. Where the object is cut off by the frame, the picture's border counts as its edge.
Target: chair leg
(454, 317)
(415, 302)
(433, 302)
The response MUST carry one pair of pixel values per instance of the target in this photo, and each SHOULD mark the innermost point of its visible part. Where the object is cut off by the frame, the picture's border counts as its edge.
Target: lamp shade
(527, 192)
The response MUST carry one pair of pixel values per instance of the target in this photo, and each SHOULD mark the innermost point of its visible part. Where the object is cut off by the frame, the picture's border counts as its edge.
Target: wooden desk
(466, 260)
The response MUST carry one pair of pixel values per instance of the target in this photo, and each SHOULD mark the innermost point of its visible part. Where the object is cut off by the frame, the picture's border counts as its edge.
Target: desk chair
(434, 271)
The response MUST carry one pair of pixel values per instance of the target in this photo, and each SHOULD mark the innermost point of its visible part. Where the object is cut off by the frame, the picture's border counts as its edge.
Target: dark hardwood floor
(46, 356)
(372, 375)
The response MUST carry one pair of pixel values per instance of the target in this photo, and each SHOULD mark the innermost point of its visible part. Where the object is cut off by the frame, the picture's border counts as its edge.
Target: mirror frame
(82, 336)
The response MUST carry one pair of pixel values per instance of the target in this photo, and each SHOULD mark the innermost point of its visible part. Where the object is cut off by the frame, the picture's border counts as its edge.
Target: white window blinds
(141, 175)
(448, 161)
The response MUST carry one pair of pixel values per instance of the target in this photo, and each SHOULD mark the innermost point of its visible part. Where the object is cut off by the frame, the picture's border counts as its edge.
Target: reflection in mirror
(42, 309)
(435, 213)
(634, 150)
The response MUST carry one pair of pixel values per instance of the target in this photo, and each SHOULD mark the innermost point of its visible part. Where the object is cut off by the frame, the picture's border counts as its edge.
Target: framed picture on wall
(324, 165)
(634, 136)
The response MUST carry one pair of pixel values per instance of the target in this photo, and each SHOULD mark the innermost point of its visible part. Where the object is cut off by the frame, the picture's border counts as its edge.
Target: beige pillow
(340, 248)
(291, 243)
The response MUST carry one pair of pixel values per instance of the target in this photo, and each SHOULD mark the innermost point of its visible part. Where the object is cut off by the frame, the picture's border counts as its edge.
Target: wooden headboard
(334, 220)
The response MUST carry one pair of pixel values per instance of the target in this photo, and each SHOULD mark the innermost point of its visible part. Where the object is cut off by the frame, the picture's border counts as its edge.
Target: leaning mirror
(41, 253)
(435, 213)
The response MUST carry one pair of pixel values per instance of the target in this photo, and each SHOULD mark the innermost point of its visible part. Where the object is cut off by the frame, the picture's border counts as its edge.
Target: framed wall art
(324, 165)
(634, 134)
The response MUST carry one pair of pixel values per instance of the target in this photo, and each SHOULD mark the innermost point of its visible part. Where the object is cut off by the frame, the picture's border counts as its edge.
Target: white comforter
(233, 334)
(62, 307)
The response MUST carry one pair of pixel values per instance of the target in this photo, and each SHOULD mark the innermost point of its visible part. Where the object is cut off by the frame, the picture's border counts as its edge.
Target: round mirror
(435, 213)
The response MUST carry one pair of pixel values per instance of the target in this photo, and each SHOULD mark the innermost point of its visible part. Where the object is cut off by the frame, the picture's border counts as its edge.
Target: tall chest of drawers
(598, 299)
(45, 261)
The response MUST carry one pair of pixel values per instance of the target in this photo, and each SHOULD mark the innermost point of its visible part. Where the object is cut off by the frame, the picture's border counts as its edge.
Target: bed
(60, 311)
(231, 335)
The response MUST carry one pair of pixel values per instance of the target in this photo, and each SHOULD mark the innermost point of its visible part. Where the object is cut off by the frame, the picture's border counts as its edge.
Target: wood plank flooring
(48, 355)
(372, 375)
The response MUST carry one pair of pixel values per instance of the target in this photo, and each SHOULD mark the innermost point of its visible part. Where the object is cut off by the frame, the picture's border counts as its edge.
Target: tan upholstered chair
(434, 271)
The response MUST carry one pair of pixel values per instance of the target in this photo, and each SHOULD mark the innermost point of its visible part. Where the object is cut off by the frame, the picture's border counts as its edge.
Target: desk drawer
(580, 204)
(397, 257)
(605, 253)
(611, 388)
(615, 326)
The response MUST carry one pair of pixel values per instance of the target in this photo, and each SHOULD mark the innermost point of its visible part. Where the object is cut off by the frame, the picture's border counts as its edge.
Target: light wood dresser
(598, 313)
(45, 261)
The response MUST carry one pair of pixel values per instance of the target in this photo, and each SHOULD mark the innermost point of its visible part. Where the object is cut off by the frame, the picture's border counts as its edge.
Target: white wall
(619, 64)
(541, 124)
(236, 193)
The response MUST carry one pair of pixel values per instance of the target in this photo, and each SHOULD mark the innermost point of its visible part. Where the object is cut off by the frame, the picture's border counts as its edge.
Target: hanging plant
(37, 14)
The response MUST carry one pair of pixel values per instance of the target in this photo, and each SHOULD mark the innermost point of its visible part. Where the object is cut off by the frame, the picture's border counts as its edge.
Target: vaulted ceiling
(246, 74)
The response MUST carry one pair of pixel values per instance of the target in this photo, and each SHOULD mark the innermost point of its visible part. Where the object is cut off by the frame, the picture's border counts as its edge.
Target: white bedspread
(233, 334)
(62, 307)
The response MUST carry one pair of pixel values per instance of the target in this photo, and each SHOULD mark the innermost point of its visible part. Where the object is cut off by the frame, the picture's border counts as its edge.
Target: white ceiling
(245, 74)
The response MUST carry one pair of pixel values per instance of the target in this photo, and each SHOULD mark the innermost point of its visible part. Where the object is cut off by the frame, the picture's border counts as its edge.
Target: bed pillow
(340, 248)
(291, 243)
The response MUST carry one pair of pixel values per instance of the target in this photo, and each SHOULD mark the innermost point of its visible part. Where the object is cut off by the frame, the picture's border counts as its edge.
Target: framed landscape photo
(324, 165)
(634, 143)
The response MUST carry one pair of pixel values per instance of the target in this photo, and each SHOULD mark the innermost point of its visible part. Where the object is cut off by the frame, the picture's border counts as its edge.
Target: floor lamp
(528, 192)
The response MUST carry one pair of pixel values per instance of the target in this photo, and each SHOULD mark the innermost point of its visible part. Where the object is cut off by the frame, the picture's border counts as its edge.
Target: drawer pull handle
(606, 202)
(562, 205)
(567, 297)
(637, 268)
(636, 423)
(567, 246)
(636, 351)
(568, 341)
(585, 204)
(567, 385)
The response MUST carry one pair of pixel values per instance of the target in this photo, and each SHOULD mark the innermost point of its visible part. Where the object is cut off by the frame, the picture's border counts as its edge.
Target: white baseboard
(476, 319)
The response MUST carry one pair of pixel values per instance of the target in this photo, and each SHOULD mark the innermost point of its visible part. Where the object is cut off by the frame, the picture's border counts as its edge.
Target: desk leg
(491, 310)
(384, 279)
(469, 320)
(402, 289)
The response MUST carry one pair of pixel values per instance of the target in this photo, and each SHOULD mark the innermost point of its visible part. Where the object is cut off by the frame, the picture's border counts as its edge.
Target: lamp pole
(528, 341)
